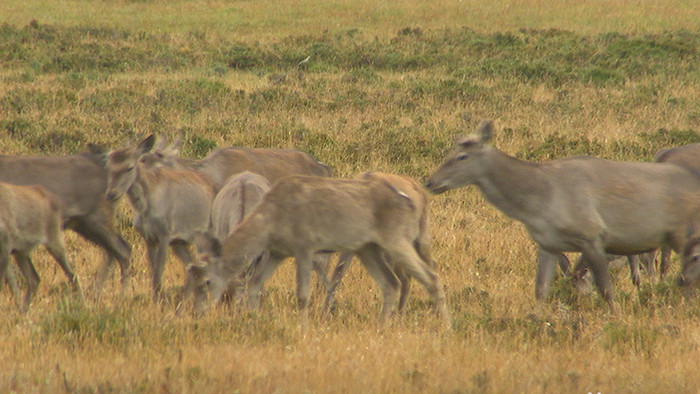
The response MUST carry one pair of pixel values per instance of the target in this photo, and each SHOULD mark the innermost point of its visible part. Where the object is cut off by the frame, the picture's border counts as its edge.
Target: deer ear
(146, 145)
(176, 146)
(161, 142)
(98, 151)
(485, 130)
(207, 244)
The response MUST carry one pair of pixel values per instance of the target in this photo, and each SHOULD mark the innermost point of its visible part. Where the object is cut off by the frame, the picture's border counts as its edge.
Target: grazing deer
(582, 204)
(170, 206)
(416, 193)
(304, 215)
(30, 216)
(236, 200)
(79, 182)
(223, 163)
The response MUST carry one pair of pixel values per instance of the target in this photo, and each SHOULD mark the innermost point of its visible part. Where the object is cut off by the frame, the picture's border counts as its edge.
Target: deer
(690, 260)
(31, 216)
(223, 163)
(170, 206)
(580, 204)
(422, 243)
(79, 181)
(688, 157)
(238, 197)
(304, 215)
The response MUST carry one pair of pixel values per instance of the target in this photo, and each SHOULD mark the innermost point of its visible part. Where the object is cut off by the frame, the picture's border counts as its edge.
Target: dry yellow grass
(501, 341)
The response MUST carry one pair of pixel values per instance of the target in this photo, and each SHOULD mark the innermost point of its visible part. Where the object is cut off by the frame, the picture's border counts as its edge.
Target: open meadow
(385, 86)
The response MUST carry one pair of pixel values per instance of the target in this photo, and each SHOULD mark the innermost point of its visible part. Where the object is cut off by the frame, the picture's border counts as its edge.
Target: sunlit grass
(388, 87)
(269, 20)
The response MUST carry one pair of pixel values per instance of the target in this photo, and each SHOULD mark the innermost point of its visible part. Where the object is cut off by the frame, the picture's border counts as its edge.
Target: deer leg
(649, 262)
(7, 271)
(344, 262)
(564, 264)
(183, 253)
(4, 262)
(546, 265)
(11, 279)
(320, 263)
(262, 274)
(157, 254)
(405, 281)
(57, 250)
(32, 277)
(304, 267)
(371, 258)
(665, 262)
(100, 234)
(405, 257)
(636, 277)
(594, 254)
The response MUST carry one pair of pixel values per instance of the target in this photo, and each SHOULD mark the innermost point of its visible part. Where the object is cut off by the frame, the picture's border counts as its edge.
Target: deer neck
(516, 187)
(247, 241)
(140, 191)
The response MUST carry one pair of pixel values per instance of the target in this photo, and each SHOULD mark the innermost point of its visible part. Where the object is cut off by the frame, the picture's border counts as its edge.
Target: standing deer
(170, 206)
(304, 215)
(688, 157)
(221, 163)
(30, 216)
(690, 259)
(79, 182)
(415, 192)
(582, 204)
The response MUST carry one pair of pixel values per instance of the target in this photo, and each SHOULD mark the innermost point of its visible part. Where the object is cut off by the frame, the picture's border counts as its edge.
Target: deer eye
(462, 156)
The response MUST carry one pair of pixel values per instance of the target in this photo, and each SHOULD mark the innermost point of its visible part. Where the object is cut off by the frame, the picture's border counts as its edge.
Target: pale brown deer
(221, 163)
(31, 216)
(238, 197)
(582, 204)
(304, 215)
(170, 206)
(79, 182)
(422, 243)
(688, 157)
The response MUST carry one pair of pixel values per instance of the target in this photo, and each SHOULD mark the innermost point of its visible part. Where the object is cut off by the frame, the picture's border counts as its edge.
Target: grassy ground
(388, 86)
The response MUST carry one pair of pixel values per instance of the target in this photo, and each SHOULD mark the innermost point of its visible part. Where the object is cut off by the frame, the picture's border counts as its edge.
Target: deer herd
(245, 211)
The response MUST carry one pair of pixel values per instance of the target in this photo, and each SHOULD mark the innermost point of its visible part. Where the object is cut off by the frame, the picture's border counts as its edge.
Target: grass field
(387, 86)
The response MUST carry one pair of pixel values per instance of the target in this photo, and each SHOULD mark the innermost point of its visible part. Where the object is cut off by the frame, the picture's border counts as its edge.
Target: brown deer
(170, 206)
(235, 201)
(304, 215)
(581, 204)
(688, 157)
(79, 182)
(417, 194)
(31, 216)
(221, 163)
